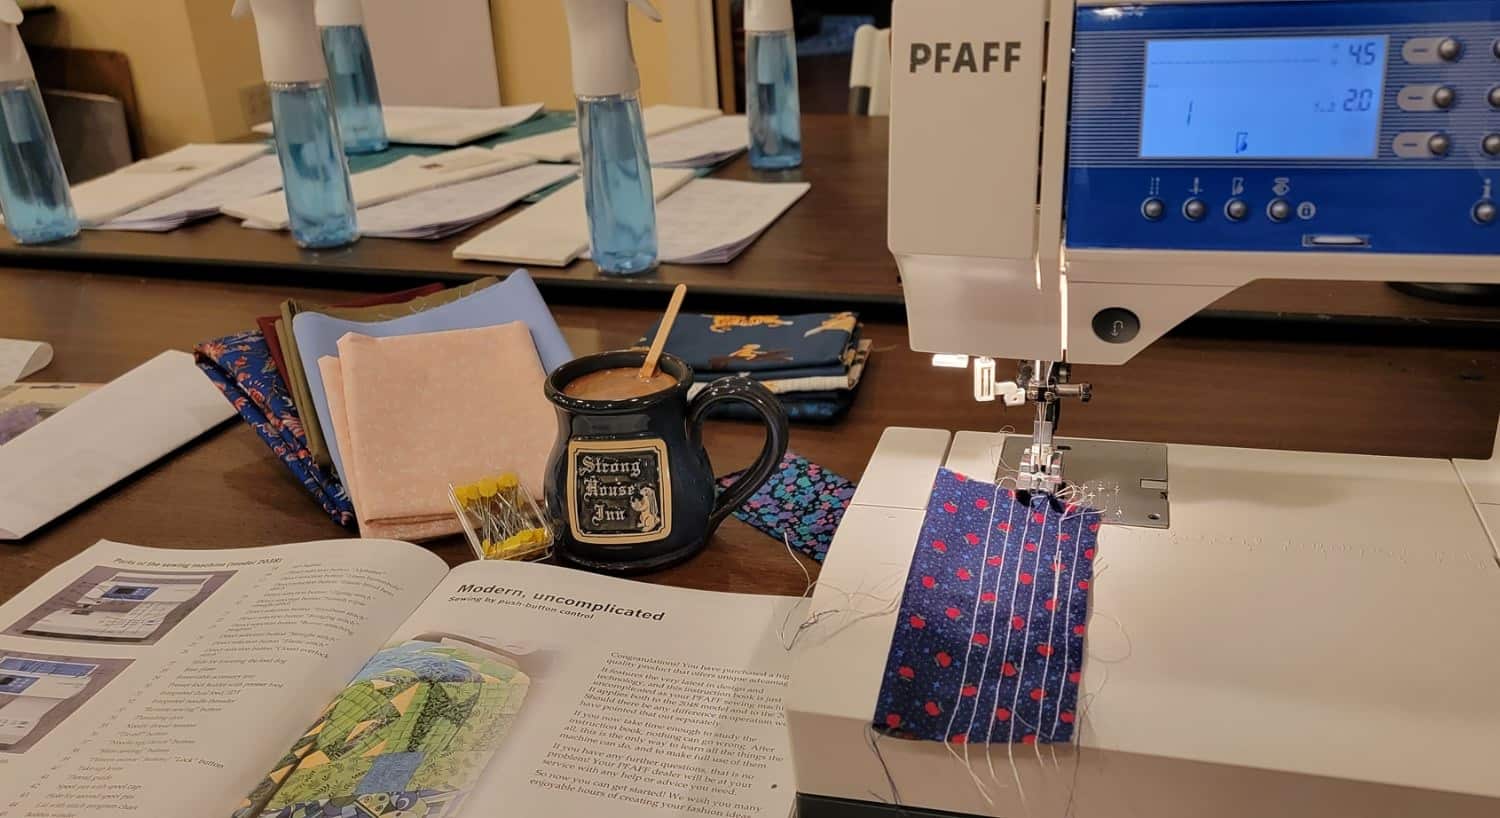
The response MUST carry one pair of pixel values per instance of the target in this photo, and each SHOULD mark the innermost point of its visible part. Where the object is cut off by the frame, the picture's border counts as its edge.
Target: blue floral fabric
(241, 366)
(989, 644)
(802, 501)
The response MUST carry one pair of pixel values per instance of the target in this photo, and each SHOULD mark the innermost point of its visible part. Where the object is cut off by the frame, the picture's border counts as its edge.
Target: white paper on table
(135, 186)
(21, 358)
(702, 145)
(710, 221)
(424, 125)
(403, 177)
(562, 146)
(554, 231)
(442, 126)
(260, 175)
(436, 213)
(105, 437)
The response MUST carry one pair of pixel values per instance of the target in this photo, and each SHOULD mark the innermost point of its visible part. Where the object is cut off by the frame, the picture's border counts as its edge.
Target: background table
(1332, 394)
(827, 251)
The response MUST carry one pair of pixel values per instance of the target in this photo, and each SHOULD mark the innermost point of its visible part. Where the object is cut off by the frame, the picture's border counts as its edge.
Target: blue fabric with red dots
(989, 645)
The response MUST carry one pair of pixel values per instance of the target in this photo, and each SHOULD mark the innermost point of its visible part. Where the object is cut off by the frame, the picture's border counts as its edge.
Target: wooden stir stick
(648, 369)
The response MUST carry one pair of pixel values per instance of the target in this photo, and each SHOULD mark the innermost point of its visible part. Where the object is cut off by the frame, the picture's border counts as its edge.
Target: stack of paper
(562, 146)
(135, 186)
(436, 214)
(204, 199)
(445, 127)
(554, 231)
(710, 221)
(700, 146)
(403, 177)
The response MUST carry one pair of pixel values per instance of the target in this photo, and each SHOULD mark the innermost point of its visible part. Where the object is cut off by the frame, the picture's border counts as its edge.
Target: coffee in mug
(620, 383)
(629, 484)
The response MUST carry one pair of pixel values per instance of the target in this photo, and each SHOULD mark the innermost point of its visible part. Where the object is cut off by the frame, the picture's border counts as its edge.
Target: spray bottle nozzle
(10, 12)
(645, 7)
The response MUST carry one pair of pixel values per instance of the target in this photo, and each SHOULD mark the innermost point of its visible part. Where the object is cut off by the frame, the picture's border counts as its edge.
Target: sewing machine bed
(1315, 635)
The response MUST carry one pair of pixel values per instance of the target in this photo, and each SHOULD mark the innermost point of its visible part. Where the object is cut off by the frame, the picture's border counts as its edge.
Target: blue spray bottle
(33, 186)
(356, 95)
(772, 104)
(616, 169)
(314, 173)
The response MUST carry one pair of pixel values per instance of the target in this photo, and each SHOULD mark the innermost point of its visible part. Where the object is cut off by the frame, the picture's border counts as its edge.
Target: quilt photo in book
(410, 735)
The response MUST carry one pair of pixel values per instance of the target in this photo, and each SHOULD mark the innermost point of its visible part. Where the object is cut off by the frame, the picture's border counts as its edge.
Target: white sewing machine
(32, 688)
(127, 607)
(1299, 634)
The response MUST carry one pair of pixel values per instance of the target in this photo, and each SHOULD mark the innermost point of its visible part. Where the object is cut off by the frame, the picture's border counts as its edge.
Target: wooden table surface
(828, 250)
(226, 490)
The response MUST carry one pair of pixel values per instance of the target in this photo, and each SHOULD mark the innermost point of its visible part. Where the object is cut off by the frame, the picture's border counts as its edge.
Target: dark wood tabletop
(829, 250)
(1339, 394)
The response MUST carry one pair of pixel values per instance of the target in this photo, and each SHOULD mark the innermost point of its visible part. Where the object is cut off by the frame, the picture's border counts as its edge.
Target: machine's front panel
(1348, 126)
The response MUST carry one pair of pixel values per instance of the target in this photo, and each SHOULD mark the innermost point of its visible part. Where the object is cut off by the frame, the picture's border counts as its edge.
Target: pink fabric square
(414, 413)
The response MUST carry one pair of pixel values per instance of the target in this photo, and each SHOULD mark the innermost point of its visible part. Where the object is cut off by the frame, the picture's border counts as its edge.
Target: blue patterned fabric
(241, 366)
(789, 346)
(989, 644)
(802, 502)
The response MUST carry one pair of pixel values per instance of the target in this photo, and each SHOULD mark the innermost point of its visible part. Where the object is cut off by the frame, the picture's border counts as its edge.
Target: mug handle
(772, 414)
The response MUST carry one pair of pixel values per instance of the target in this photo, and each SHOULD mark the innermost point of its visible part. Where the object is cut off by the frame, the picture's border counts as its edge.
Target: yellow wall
(155, 36)
(229, 64)
(197, 71)
(531, 53)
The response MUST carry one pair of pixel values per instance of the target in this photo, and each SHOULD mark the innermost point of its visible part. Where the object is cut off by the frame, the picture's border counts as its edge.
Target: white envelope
(105, 437)
(400, 178)
(562, 146)
(444, 127)
(554, 231)
(135, 186)
(21, 358)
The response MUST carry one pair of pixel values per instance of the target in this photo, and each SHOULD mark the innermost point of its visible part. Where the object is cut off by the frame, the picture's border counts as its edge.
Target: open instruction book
(363, 678)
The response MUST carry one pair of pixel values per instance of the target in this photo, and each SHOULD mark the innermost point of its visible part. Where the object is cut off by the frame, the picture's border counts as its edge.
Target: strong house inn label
(619, 491)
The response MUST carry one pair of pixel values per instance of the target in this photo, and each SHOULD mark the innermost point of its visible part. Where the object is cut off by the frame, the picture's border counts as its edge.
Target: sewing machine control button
(1438, 144)
(1116, 325)
(1485, 212)
(1279, 210)
(1417, 144)
(1449, 50)
(1194, 210)
(1306, 211)
(1495, 97)
(1426, 98)
(1236, 210)
(1153, 209)
(1491, 144)
(1495, 48)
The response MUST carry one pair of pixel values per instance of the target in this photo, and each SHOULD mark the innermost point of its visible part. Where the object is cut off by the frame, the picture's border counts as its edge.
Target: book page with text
(163, 682)
(547, 692)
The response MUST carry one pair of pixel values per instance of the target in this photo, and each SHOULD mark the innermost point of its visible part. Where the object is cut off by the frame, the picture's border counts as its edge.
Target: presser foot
(1126, 481)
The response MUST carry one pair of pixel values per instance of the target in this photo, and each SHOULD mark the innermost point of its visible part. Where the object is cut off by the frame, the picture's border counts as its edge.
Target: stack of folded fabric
(812, 362)
(378, 406)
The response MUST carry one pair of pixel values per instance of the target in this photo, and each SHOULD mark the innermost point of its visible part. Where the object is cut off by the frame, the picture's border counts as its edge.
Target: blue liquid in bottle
(33, 186)
(771, 100)
(617, 184)
(314, 172)
(356, 96)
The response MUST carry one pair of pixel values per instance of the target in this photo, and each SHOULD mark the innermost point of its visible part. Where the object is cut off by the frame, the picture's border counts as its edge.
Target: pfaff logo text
(975, 58)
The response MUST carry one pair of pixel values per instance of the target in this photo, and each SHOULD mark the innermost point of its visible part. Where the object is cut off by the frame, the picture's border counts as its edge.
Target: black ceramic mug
(629, 485)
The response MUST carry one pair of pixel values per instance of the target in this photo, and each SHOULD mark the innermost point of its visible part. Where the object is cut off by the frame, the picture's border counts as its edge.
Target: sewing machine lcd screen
(1263, 98)
(129, 593)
